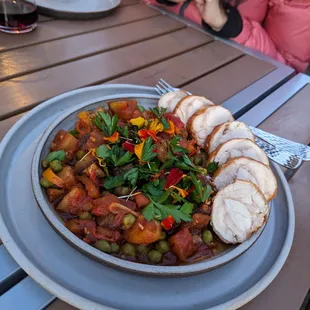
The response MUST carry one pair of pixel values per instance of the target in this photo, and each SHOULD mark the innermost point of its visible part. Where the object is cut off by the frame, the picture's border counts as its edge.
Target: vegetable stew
(132, 183)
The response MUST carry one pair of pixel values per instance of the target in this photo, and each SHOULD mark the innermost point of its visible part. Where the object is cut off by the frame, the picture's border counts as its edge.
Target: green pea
(142, 249)
(56, 165)
(80, 154)
(45, 183)
(163, 235)
(122, 191)
(163, 247)
(114, 247)
(154, 256)
(128, 220)
(207, 237)
(128, 249)
(103, 246)
(44, 163)
(85, 216)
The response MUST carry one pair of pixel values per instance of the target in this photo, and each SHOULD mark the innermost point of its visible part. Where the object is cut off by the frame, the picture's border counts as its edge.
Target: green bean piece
(45, 183)
(122, 191)
(103, 246)
(85, 216)
(56, 165)
(163, 235)
(154, 256)
(44, 163)
(114, 247)
(207, 237)
(142, 249)
(128, 220)
(163, 247)
(128, 249)
(80, 154)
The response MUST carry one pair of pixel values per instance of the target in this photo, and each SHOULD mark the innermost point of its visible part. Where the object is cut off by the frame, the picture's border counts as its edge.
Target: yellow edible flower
(139, 149)
(156, 125)
(138, 121)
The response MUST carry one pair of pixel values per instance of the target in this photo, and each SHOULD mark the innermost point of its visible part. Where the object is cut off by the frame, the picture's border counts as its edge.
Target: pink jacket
(277, 28)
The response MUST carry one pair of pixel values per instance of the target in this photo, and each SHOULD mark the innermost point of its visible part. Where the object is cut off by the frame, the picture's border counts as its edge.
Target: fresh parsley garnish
(148, 150)
(176, 148)
(132, 176)
(74, 133)
(202, 193)
(57, 155)
(113, 181)
(159, 112)
(106, 123)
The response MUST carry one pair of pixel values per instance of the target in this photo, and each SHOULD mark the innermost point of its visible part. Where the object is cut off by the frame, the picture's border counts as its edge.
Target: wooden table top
(139, 45)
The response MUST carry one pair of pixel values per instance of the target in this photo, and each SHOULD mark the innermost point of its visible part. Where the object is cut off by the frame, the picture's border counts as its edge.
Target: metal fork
(283, 158)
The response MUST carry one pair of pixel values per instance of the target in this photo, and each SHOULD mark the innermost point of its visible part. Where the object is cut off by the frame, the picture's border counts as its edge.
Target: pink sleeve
(254, 36)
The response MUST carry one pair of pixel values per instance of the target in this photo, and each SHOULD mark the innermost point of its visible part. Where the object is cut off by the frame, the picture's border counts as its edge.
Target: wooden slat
(43, 18)
(231, 79)
(291, 121)
(36, 57)
(57, 29)
(60, 305)
(95, 69)
(290, 287)
(128, 2)
(183, 69)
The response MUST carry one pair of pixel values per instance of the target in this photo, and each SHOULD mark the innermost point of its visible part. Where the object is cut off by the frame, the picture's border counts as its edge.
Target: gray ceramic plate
(67, 122)
(77, 9)
(86, 284)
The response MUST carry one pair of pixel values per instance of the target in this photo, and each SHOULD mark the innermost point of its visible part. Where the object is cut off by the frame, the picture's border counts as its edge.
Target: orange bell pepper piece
(50, 176)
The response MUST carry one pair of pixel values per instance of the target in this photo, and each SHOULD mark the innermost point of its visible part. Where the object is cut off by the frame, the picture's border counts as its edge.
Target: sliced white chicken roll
(228, 131)
(170, 100)
(189, 105)
(239, 209)
(243, 168)
(202, 123)
(238, 148)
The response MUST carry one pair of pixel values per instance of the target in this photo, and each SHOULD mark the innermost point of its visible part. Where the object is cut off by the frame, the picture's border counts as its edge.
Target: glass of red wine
(18, 16)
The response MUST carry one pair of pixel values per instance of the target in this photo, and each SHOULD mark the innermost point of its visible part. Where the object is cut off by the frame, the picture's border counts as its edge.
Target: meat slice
(189, 105)
(202, 123)
(247, 169)
(170, 100)
(182, 244)
(239, 209)
(228, 131)
(238, 148)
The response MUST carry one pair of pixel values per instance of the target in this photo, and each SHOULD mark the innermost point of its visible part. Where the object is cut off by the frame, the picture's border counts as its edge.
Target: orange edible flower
(113, 138)
(50, 176)
(171, 130)
(139, 149)
(84, 116)
(145, 133)
(156, 126)
(181, 191)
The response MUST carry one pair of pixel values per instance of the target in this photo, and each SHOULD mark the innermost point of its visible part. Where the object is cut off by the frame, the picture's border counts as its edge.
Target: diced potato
(72, 203)
(65, 141)
(94, 168)
(67, 174)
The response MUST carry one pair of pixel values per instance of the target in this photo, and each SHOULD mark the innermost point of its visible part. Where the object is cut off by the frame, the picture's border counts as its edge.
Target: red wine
(18, 14)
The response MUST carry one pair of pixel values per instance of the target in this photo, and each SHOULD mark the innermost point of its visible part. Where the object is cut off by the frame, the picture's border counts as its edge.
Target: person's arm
(226, 22)
(167, 2)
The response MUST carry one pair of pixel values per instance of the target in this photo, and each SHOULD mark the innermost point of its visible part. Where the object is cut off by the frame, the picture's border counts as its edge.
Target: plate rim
(76, 300)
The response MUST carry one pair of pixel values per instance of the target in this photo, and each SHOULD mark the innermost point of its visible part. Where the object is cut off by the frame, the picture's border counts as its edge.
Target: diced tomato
(143, 232)
(148, 115)
(102, 233)
(136, 113)
(123, 109)
(78, 226)
(67, 174)
(54, 194)
(91, 188)
(129, 147)
(182, 244)
(65, 141)
(101, 205)
(72, 202)
(174, 119)
(142, 201)
(168, 222)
